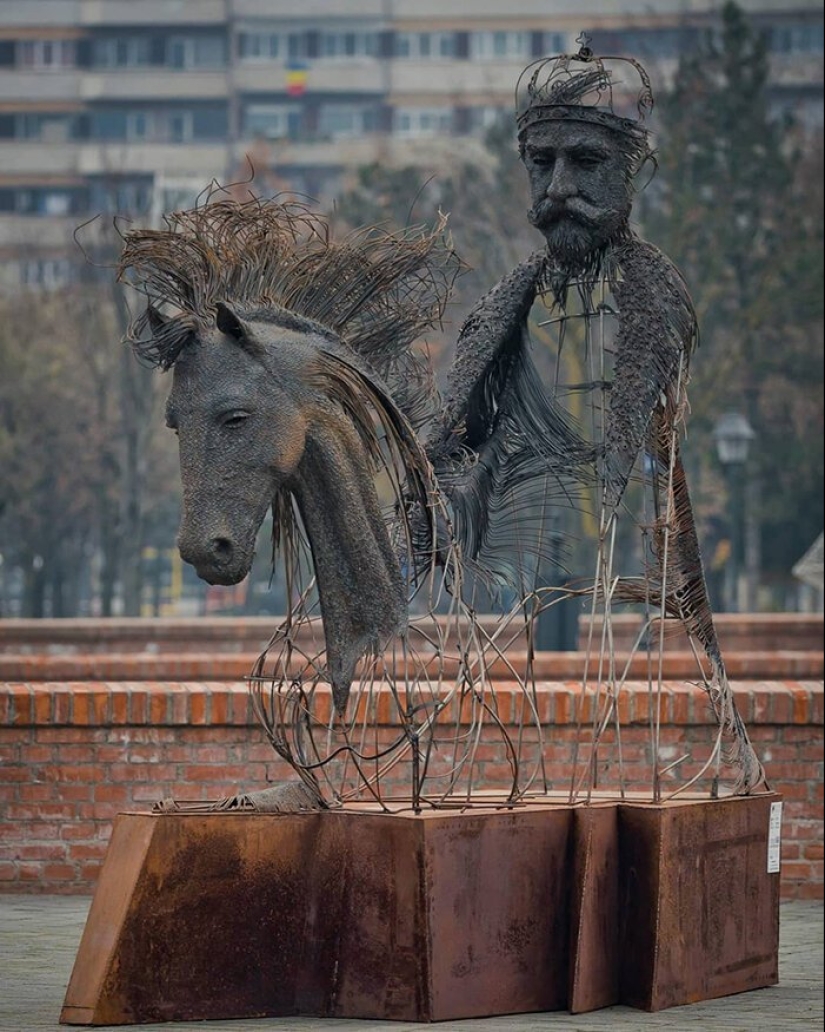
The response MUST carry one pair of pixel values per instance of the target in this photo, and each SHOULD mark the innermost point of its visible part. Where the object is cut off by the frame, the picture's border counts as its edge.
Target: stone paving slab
(39, 936)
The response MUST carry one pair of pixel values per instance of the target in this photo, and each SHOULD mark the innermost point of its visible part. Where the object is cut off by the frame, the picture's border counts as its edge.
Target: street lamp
(733, 435)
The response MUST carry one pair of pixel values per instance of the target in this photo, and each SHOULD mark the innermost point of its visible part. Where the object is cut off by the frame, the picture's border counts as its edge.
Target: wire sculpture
(380, 688)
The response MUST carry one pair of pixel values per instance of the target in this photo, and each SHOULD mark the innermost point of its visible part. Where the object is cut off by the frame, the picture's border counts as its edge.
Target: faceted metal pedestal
(356, 913)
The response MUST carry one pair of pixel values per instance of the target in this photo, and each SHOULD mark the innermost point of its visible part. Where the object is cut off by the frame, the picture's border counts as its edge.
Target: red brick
(240, 709)
(87, 850)
(112, 794)
(30, 872)
(801, 706)
(119, 706)
(179, 699)
(218, 753)
(219, 704)
(198, 708)
(802, 734)
(152, 792)
(22, 704)
(83, 831)
(218, 773)
(42, 700)
(40, 850)
(59, 872)
(88, 873)
(762, 700)
(125, 773)
(806, 889)
(158, 705)
(781, 709)
(138, 704)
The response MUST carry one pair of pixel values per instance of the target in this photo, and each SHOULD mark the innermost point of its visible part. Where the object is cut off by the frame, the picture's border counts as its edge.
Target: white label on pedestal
(774, 837)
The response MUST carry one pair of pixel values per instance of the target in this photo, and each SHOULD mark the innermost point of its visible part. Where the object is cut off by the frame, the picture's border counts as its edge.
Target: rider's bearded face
(580, 184)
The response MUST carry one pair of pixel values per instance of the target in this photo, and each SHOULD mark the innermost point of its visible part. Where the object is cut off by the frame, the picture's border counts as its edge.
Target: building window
(342, 120)
(646, 44)
(201, 122)
(261, 46)
(271, 46)
(554, 42)
(500, 46)
(129, 197)
(484, 118)
(140, 125)
(271, 121)
(47, 53)
(296, 46)
(196, 52)
(46, 201)
(798, 38)
(422, 121)
(172, 194)
(178, 127)
(122, 52)
(426, 46)
(349, 44)
(51, 128)
(45, 273)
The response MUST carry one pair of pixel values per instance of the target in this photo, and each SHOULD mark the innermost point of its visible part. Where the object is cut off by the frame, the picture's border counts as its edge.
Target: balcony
(156, 13)
(364, 75)
(153, 84)
(35, 160)
(39, 86)
(457, 81)
(309, 10)
(204, 160)
(350, 153)
(55, 13)
(23, 234)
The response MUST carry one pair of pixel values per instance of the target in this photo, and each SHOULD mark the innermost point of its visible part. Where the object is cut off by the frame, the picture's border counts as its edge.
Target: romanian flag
(296, 78)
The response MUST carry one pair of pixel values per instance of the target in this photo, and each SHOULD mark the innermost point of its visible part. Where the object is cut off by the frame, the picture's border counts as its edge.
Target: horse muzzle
(217, 560)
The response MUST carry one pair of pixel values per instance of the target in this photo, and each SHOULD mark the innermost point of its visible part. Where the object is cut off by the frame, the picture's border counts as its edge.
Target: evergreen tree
(738, 205)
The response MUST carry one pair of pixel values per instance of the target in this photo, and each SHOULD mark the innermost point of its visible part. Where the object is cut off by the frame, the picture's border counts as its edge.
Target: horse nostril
(221, 548)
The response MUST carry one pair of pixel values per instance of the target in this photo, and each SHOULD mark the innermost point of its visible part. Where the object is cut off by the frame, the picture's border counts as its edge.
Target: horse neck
(360, 587)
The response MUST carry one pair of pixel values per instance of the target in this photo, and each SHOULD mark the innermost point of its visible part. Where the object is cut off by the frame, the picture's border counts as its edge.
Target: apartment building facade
(134, 106)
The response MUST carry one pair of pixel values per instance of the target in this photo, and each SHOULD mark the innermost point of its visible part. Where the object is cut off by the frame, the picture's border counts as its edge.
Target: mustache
(547, 213)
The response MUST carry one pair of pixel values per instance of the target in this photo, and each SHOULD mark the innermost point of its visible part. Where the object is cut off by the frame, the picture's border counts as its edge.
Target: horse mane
(377, 291)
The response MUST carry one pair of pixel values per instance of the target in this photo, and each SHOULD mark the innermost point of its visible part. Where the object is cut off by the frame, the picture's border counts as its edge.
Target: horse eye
(233, 419)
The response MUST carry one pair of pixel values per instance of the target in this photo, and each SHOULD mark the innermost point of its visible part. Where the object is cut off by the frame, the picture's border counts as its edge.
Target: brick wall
(74, 754)
(738, 632)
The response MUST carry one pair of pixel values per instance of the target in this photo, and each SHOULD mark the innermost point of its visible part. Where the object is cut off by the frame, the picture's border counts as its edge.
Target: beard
(576, 232)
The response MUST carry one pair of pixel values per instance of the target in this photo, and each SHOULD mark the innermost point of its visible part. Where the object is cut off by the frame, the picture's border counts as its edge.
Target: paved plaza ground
(39, 936)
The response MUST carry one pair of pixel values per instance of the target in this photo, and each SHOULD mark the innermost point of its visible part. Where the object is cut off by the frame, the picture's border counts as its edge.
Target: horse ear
(229, 323)
(156, 320)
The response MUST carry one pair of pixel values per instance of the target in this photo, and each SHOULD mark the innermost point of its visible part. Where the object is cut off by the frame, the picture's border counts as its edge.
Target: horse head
(293, 384)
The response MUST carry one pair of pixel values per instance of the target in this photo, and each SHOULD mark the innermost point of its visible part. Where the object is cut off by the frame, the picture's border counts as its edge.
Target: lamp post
(733, 435)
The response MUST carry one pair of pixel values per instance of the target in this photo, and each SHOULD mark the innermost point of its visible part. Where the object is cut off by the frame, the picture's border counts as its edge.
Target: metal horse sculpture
(298, 386)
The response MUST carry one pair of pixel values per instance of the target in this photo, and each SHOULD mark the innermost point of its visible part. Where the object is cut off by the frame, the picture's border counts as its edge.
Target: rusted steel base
(427, 917)
(594, 927)
(699, 910)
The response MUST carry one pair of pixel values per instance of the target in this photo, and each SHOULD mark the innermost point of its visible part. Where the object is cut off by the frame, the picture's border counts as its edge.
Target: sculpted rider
(625, 301)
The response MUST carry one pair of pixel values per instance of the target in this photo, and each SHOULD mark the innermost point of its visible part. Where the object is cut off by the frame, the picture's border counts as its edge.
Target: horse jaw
(360, 587)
